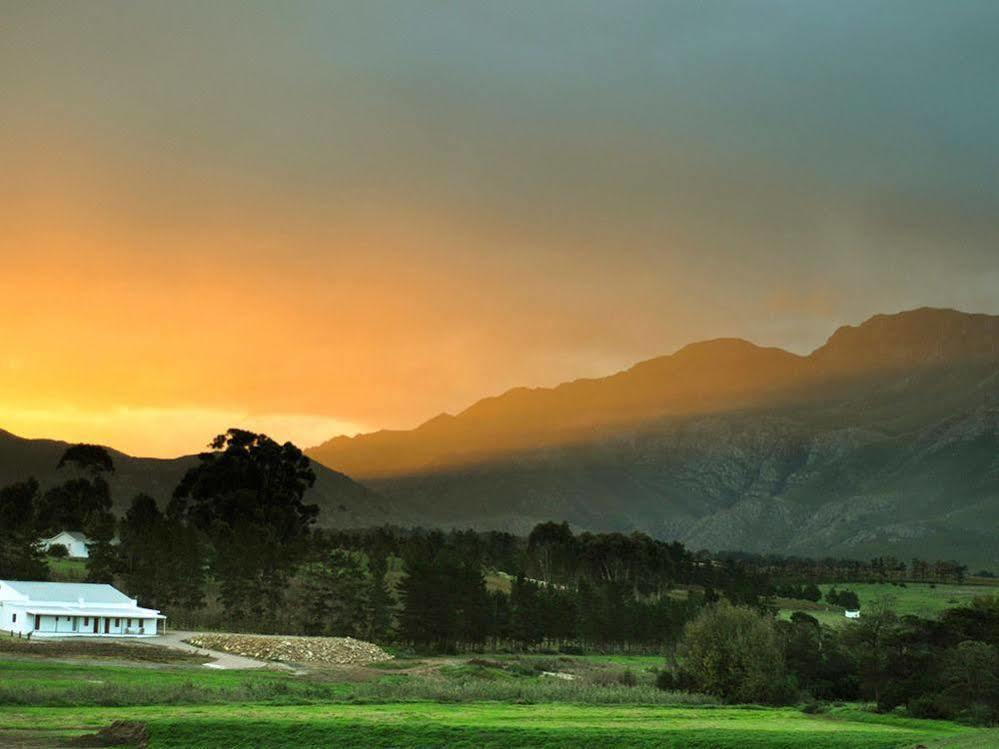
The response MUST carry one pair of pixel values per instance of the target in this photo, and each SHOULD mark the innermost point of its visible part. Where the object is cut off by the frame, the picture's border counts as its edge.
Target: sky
(317, 218)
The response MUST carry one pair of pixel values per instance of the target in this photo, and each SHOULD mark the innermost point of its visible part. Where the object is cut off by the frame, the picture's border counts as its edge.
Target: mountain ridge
(342, 501)
(765, 372)
(882, 439)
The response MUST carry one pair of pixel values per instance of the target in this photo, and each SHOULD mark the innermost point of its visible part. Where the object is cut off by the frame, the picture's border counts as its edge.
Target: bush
(848, 600)
(58, 551)
(628, 678)
(978, 714)
(734, 653)
(800, 617)
(666, 680)
(929, 706)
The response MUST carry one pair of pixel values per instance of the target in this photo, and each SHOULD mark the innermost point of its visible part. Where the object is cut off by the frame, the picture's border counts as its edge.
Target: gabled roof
(77, 535)
(48, 609)
(70, 593)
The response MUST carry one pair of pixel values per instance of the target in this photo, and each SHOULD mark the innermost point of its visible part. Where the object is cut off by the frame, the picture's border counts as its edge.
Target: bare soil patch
(97, 649)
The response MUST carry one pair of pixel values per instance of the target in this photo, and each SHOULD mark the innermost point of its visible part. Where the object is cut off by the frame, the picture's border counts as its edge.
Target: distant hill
(342, 501)
(882, 441)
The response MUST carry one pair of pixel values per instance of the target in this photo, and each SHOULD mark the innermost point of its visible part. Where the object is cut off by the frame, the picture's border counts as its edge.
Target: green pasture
(455, 702)
(921, 599)
(487, 725)
(40, 682)
(67, 570)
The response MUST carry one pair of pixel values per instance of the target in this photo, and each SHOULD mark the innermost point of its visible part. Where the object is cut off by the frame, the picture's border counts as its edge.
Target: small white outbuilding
(74, 541)
(852, 614)
(39, 609)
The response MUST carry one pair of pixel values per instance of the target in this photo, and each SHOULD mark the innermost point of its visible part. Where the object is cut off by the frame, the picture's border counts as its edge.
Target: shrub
(666, 680)
(58, 551)
(978, 714)
(628, 678)
(812, 593)
(734, 653)
(800, 617)
(930, 706)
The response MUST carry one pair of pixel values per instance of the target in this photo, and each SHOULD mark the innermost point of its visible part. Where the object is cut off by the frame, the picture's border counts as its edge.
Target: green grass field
(487, 725)
(450, 702)
(921, 599)
(67, 570)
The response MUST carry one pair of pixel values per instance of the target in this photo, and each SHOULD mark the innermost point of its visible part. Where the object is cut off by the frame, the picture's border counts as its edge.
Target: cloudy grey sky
(377, 211)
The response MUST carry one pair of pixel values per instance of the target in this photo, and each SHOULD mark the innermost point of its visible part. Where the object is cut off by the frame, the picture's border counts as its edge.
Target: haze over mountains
(882, 441)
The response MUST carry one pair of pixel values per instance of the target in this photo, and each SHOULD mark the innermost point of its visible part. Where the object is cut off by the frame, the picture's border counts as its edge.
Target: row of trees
(935, 668)
(81, 502)
(876, 570)
(441, 601)
(237, 518)
(606, 602)
(445, 605)
(236, 539)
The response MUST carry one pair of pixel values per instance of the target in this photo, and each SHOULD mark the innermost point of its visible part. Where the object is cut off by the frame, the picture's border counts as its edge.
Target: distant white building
(851, 614)
(75, 541)
(73, 610)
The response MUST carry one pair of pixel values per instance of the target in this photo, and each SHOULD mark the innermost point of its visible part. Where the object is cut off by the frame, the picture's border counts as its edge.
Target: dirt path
(175, 640)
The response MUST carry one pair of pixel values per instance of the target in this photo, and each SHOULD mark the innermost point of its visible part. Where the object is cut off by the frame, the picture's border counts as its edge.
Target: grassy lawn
(636, 662)
(497, 701)
(38, 682)
(490, 725)
(67, 570)
(921, 599)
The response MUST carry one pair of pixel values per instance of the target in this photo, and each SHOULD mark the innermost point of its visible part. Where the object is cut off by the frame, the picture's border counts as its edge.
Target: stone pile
(339, 651)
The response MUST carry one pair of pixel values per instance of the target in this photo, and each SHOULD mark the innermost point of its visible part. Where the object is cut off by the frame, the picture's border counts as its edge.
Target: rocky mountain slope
(342, 501)
(882, 441)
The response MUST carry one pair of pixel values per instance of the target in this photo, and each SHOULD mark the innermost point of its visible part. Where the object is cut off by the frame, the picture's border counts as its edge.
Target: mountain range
(882, 441)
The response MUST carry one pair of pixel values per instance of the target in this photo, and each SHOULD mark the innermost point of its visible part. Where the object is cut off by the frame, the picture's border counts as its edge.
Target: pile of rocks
(341, 651)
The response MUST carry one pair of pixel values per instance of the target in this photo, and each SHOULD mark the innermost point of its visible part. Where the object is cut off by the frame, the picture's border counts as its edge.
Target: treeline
(553, 555)
(235, 548)
(944, 668)
(81, 502)
(572, 591)
(885, 569)
(444, 605)
(236, 523)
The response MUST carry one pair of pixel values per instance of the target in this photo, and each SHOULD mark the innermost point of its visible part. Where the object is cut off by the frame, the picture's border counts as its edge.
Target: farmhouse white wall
(75, 541)
(73, 610)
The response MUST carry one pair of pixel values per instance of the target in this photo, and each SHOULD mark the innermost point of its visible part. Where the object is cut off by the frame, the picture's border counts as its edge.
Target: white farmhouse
(73, 610)
(75, 541)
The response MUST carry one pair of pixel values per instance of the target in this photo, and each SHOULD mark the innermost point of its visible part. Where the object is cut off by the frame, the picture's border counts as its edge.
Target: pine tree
(334, 596)
(20, 555)
(380, 602)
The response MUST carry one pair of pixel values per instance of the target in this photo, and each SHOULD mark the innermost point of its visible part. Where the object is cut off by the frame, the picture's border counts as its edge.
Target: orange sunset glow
(310, 222)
